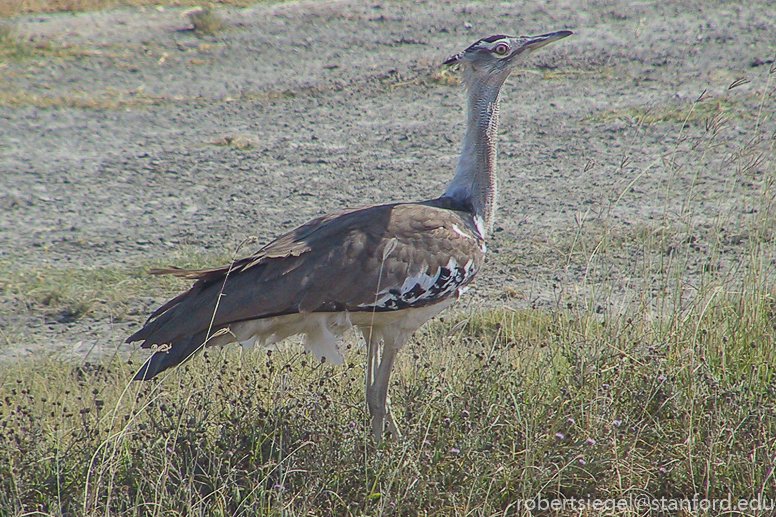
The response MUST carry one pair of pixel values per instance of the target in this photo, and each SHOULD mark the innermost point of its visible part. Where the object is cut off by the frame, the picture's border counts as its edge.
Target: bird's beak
(452, 60)
(534, 42)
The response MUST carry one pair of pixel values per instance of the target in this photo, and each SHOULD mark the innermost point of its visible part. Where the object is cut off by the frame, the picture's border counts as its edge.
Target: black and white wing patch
(425, 288)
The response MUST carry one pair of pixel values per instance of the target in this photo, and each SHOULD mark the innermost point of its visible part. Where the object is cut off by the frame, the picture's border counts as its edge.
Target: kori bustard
(385, 269)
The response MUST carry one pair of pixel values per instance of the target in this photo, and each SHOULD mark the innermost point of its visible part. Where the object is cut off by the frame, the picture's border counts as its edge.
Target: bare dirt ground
(108, 148)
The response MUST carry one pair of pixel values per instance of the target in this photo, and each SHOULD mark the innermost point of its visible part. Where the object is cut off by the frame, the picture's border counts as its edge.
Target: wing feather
(348, 260)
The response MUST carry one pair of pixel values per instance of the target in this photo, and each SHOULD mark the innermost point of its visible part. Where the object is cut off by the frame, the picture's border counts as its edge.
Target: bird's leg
(378, 373)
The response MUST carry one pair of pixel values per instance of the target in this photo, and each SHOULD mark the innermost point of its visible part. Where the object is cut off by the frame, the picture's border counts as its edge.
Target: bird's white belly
(323, 330)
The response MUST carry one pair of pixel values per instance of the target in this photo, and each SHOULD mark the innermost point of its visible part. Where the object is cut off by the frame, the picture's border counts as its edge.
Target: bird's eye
(501, 49)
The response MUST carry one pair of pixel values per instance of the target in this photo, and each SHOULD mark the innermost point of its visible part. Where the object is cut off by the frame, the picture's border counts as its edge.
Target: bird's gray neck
(475, 182)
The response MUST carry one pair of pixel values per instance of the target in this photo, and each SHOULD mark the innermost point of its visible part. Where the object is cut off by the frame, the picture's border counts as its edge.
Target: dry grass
(238, 141)
(502, 407)
(15, 7)
(15, 48)
(702, 111)
(105, 99)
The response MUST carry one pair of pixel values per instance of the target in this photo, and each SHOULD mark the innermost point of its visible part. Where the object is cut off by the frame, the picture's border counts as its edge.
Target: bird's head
(499, 54)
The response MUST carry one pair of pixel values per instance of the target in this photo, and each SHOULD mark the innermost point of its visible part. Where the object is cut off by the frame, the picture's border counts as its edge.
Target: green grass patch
(67, 292)
(11, 47)
(693, 112)
(15, 48)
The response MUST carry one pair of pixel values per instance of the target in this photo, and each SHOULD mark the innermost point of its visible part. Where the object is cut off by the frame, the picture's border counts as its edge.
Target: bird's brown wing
(385, 257)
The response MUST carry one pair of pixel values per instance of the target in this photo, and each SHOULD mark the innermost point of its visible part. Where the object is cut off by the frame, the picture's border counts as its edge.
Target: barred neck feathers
(475, 182)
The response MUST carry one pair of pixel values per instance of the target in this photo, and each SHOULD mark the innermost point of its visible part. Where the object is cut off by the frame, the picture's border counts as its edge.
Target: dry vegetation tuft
(204, 20)
(239, 141)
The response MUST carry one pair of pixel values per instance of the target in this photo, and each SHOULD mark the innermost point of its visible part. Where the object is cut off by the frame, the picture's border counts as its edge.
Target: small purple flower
(426, 442)
(582, 462)
(278, 487)
(559, 435)
(616, 423)
(571, 421)
(454, 450)
(446, 420)
(662, 470)
(590, 441)
(661, 377)
(465, 412)
(605, 385)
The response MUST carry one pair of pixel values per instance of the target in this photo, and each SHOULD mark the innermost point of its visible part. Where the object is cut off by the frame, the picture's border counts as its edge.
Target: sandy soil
(109, 156)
